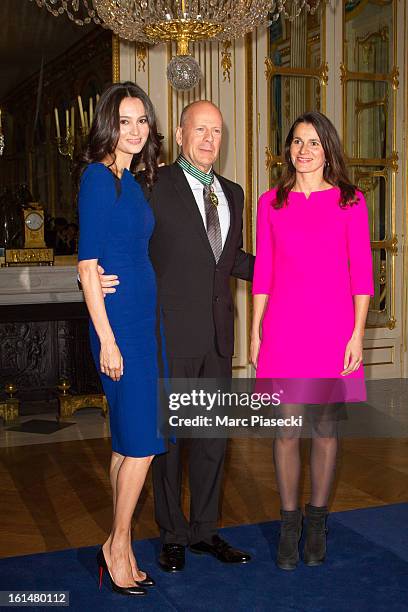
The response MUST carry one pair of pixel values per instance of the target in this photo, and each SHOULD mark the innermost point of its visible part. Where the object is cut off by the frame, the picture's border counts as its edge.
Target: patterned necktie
(213, 223)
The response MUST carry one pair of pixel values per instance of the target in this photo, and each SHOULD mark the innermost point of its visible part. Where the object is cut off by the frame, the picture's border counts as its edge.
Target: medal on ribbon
(213, 197)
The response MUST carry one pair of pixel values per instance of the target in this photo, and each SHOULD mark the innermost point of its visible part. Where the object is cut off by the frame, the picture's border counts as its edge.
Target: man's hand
(108, 281)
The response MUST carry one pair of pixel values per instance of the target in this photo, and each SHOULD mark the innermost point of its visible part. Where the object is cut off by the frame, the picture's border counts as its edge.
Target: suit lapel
(190, 205)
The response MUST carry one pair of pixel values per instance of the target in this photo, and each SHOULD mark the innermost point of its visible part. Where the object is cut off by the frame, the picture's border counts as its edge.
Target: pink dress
(312, 256)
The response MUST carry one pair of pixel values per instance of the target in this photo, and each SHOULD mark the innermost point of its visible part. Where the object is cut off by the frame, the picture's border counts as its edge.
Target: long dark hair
(105, 130)
(335, 171)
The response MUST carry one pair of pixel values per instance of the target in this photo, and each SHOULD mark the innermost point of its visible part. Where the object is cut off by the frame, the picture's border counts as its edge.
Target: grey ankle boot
(290, 533)
(314, 552)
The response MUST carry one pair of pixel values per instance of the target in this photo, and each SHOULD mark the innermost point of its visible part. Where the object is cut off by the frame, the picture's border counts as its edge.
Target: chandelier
(182, 21)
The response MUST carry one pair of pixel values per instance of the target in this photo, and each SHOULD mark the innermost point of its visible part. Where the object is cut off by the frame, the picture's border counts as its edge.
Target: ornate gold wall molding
(115, 58)
(390, 245)
(141, 55)
(390, 77)
(272, 160)
(321, 73)
(389, 162)
(226, 61)
(170, 122)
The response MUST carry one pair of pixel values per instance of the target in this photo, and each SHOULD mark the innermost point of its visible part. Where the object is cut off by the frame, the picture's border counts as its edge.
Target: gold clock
(34, 228)
(35, 251)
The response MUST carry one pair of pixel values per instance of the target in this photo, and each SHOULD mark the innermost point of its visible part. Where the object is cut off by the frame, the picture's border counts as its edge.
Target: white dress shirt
(223, 209)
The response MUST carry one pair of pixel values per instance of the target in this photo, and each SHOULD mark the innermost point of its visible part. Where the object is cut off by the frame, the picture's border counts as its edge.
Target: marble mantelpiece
(39, 285)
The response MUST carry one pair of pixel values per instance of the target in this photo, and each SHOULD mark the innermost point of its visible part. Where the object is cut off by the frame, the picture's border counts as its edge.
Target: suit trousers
(206, 464)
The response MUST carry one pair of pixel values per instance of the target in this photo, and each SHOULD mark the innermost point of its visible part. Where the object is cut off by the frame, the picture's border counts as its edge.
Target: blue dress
(115, 228)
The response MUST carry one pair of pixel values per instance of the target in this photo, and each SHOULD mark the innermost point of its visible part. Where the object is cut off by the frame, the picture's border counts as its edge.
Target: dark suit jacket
(193, 291)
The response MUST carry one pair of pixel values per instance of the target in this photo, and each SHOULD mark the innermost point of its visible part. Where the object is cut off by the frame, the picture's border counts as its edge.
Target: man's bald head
(196, 106)
(199, 133)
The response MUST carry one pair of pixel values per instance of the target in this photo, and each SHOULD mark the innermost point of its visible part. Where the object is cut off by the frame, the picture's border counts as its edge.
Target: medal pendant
(214, 199)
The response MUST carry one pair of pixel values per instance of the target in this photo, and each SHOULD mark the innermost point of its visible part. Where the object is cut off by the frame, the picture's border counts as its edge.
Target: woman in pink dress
(312, 286)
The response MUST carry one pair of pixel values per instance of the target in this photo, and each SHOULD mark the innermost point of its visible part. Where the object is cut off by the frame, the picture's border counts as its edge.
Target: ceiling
(29, 33)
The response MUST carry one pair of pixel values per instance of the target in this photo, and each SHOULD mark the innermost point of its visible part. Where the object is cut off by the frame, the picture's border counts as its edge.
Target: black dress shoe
(129, 590)
(172, 557)
(221, 550)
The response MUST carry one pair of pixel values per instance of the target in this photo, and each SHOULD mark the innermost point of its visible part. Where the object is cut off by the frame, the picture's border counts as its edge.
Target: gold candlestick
(66, 146)
(83, 132)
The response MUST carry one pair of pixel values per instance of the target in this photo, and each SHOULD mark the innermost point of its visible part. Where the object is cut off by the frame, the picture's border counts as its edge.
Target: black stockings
(323, 454)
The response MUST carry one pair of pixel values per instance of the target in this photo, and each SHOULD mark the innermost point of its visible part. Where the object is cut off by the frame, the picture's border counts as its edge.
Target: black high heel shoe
(147, 582)
(102, 565)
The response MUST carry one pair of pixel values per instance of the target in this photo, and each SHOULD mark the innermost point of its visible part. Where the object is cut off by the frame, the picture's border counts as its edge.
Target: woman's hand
(353, 356)
(254, 349)
(108, 281)
(111, 360)
(260, 302)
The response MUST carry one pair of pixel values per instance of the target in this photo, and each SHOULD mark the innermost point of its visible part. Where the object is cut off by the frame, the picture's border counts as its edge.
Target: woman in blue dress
(115, 226)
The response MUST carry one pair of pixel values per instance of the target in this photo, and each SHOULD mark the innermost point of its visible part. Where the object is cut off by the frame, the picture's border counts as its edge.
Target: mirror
(48, 62)
(369, 134)
(294, 65)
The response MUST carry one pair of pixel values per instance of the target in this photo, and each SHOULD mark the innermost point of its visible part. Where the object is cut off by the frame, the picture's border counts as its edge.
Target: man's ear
(179, 135)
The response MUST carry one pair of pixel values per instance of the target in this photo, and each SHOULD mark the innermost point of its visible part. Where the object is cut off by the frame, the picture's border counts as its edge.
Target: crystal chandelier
(291, 9)
(182, 21)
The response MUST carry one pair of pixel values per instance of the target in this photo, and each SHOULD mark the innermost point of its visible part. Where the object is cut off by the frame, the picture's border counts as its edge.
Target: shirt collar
(205, 178)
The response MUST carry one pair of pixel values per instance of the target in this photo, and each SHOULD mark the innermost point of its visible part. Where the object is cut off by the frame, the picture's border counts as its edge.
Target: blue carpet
(366, 570)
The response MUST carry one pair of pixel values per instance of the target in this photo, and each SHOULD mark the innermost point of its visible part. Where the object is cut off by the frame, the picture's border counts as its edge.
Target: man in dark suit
(195, 247)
